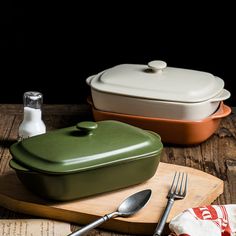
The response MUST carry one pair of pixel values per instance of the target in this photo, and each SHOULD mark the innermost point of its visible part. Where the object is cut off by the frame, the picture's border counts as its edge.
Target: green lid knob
(87, 126)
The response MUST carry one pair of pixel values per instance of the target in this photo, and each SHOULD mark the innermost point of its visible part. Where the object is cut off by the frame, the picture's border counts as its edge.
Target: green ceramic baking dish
(86, 159)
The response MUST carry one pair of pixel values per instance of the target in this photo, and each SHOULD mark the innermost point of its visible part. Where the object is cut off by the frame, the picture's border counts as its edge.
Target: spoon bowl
(134, 203)
(128, 207)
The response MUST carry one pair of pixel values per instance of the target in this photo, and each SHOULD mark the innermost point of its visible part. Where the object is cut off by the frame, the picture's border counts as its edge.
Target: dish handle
(223, 111)
(89, 79)
(223, 95)
(17, 166)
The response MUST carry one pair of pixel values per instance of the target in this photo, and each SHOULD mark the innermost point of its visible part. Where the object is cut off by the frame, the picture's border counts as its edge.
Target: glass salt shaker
(32, 123)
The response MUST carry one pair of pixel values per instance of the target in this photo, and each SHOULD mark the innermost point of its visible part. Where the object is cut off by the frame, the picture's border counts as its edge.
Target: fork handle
(162, 221)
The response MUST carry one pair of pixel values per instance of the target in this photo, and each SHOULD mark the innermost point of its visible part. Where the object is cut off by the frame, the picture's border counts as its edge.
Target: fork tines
(178, 187)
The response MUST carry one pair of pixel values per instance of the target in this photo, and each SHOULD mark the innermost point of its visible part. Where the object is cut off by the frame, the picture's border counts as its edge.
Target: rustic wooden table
(216, 156)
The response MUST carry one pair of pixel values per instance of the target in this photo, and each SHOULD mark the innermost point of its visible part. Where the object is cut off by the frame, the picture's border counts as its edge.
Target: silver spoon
(128, 207)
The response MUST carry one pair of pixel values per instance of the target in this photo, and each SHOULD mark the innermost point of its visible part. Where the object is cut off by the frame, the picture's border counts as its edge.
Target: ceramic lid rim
(69, 150)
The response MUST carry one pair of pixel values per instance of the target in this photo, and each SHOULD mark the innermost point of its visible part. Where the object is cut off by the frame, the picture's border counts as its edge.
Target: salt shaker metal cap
(33, 99)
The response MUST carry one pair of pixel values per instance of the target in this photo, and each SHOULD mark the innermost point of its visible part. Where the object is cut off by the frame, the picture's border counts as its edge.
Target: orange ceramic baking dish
(181, 132)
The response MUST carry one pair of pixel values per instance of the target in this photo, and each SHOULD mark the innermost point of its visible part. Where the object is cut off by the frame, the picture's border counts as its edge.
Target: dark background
(54, 48)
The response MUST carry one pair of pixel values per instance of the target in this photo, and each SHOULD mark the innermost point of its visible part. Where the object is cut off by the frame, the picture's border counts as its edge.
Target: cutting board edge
(32, 209)
(35, 209)
(218, 191)
(118, 225)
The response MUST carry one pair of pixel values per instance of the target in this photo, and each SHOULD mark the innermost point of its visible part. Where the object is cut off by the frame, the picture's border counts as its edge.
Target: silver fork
(177, 191)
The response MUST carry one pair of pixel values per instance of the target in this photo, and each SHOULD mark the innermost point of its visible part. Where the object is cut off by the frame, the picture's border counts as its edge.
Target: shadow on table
(7, 143)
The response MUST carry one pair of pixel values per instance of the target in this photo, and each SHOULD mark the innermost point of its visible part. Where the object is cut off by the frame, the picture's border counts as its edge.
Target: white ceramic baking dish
(155, 90)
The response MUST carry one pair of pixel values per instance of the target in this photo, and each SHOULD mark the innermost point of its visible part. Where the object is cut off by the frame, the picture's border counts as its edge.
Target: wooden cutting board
(203, 189)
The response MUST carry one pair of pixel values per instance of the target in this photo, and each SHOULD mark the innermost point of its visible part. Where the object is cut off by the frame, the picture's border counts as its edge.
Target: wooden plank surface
(216, 156)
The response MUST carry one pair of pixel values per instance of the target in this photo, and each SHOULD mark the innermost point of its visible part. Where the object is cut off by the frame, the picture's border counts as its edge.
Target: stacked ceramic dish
(183, 106)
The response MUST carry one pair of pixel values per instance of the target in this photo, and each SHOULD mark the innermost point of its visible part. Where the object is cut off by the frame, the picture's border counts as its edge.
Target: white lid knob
(157, 66)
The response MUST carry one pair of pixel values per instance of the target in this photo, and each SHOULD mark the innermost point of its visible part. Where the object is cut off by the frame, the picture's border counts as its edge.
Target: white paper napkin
(212, 220)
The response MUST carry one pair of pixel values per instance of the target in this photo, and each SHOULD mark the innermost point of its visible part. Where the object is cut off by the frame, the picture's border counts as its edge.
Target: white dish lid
(157, 81)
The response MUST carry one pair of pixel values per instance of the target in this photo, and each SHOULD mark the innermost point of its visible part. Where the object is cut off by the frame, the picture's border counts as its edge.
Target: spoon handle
(92, 225)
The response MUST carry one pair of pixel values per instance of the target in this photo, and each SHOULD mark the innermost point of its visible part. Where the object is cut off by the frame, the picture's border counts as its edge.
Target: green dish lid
(85, 146)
